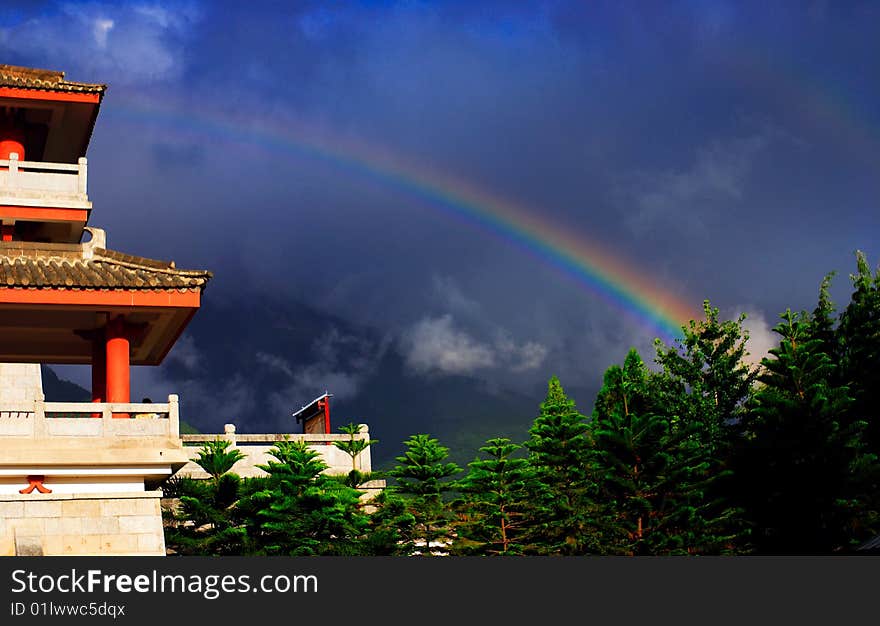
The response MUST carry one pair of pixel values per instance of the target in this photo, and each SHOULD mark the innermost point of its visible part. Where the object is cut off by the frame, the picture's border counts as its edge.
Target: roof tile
(54, 266)
(31, 78)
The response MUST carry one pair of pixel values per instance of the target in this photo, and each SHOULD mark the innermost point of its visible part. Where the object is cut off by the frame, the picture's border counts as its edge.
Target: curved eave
(53, 325)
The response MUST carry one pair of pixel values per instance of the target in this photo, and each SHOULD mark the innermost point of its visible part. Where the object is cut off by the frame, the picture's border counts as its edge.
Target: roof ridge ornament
(98, 240)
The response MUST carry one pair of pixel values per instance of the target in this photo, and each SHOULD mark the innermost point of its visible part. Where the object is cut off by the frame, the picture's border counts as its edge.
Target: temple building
(77, 478)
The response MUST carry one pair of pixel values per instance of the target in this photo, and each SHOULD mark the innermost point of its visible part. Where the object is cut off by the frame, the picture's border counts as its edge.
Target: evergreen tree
(859, 337)
(204, 520)
(495, 506)
(821, 324)
(560, 453)
(216, 458)
(298, 510)
(392, 528)
(653, 474)
(804, 462)
(353, 447)
(422, 479)
(708, 373)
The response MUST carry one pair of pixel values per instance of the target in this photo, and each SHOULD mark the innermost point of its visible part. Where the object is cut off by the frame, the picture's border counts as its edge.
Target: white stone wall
(120, 524)
(20, 382)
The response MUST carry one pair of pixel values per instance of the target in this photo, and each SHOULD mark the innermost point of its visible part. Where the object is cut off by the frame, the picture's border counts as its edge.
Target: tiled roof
(31, 78)
(79, 266)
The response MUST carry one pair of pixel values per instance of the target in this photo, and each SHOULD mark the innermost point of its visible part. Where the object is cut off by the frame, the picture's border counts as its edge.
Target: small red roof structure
(315, 415)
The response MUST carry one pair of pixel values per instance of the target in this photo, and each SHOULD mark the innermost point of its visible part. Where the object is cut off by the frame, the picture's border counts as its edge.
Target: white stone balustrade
(43, 184)
(256, 450)
(48, 420)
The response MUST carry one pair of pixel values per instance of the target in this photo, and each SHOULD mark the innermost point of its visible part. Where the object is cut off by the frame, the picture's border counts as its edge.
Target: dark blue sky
(727, 150)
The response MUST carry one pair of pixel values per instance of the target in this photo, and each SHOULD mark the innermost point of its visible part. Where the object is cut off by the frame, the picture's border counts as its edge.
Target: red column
(99, 369)
(11, 140)
(327, 415)
(118, 363)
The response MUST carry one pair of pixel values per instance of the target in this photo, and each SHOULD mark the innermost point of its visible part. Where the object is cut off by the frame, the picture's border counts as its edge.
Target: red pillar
(11, 139)
(99, 370)
(118, 363)
(327, 415)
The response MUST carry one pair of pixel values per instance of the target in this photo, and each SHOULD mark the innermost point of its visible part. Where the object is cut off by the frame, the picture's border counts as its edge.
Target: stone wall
(112, 524)
(20, 382)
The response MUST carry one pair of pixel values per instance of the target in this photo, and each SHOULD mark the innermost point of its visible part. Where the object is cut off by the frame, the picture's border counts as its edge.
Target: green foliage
(804, 461)
(392, 528)
(422, 479)
(653, 473)
(353, 447)
(216, 458)
(494, 510)
(560, 453)
(300, 511)
(859, 340)
(709, 377)
(204, 521)
(670, 462)
(821, 323)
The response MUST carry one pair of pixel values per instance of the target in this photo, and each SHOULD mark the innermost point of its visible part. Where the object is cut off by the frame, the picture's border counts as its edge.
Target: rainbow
(590, 265)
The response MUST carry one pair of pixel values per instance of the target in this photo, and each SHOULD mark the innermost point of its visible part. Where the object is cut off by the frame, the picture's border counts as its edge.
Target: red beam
(39, 94)
(171, 298)
(41, 214)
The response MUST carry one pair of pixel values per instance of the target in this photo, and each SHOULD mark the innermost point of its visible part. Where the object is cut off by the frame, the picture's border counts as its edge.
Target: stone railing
(256, 450)
(46, 420)
(35, 183)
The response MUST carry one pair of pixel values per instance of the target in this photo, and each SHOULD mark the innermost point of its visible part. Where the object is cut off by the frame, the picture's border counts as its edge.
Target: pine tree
(653, 474)
(205, 522)
(353, 447)
(216, 458)
(859, 337)
(708, 372)
(560, 453)
(392, 526)
(804, 461)
(495, 508)
(422, 478)
(821, 323)
(298, 510)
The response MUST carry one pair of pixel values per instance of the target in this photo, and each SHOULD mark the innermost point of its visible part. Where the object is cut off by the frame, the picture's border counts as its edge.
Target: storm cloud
(726, 151)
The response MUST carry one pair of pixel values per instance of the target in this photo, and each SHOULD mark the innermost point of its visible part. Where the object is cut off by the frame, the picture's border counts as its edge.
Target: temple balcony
(42, 184)
(85, 446)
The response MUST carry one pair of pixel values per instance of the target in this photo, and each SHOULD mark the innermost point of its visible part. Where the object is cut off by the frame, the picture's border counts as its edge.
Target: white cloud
(682, 198)
(275, 362)
(761, 337)
(101, 28)
(434, 345)
(108, 42)
(521, 357)
(452, 298)
(186, 353)
(341, 363)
